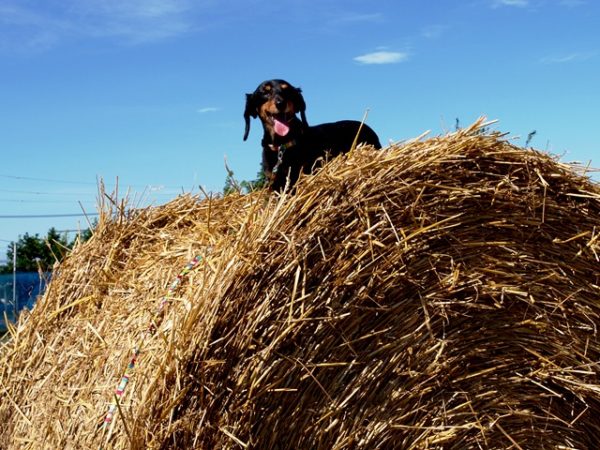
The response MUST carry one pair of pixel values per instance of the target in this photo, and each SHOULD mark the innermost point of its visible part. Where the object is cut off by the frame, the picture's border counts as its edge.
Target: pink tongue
(281, 128)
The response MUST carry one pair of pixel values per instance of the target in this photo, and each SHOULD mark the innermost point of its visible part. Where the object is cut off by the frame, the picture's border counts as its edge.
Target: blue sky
(151, 92)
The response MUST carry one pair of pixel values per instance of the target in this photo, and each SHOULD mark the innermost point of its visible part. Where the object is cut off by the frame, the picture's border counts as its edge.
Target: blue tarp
(29, 287)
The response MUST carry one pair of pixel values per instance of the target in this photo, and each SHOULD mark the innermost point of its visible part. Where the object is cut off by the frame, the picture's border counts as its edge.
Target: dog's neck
(282, 147)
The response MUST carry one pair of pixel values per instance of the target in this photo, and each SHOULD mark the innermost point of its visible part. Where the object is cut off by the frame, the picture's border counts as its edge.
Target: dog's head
(276, 102)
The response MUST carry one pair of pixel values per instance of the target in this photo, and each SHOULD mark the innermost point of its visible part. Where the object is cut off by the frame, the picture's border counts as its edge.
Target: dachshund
(290, 145)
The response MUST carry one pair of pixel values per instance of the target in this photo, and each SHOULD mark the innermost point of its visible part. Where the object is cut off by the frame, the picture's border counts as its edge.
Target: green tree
(487, 130)
(30, 250)
(245, 186)
(86, 234)
(35, 253)
(57, 247)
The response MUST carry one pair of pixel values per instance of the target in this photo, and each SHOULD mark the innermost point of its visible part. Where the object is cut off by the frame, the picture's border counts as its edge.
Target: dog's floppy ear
(300, 106)
(250, 111)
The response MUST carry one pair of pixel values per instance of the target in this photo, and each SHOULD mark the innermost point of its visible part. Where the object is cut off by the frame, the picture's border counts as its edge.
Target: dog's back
(338, 137)
(320, 142)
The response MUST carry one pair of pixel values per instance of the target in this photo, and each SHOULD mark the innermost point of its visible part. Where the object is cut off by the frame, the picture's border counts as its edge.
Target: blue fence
(28, 287)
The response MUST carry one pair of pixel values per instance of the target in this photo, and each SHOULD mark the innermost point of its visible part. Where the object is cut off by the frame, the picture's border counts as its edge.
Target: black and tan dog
(290, 146)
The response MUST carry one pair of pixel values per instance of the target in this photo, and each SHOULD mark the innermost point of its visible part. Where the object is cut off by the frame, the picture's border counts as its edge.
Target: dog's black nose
(280, 104)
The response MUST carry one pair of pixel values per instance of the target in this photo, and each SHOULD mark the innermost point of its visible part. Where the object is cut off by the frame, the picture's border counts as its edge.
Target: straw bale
(440, 293)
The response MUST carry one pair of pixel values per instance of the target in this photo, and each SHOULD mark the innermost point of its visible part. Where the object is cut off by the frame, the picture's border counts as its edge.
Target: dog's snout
(280, 104)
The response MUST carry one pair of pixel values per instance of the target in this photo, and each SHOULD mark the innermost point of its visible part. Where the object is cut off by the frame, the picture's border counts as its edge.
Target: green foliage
(530, 137)
(487, 130)
(481, 131)
(35, 253)
(87, 233)
(243, 187)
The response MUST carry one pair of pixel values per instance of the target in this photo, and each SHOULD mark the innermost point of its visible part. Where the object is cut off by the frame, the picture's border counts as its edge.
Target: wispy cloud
(131, 8)
(568, 58)
(433, 31)
(382, 57)
(208, 109)
(26, 30)
(354, 18)
(129, 21)
(517, 3)
(136, 21)
(572, 3)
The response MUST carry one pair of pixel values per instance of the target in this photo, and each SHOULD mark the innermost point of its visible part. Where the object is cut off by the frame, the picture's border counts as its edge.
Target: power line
(12, 200)
(50, 180)
(87, 183)
(147, 193)
(46, 193)
(45, 216)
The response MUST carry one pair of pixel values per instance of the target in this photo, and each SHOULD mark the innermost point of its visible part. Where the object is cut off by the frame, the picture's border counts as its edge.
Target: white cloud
(382, 57)
(433, 31)
(353, 18)
(569, 58)
(27, 30)
(130, 9)
(208, 109)
(517, 3)
(14, 15)
(572, 3)
(135, 21)
(129, 21)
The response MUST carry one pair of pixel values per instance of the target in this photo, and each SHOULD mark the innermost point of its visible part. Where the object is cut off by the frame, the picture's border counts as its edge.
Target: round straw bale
(440, 293)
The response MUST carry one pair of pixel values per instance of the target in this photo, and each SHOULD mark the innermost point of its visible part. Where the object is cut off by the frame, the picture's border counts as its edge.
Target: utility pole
(15, 279)
(14, 299)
